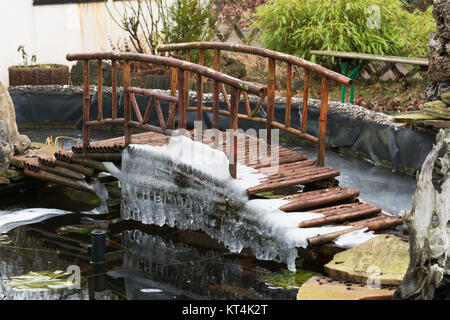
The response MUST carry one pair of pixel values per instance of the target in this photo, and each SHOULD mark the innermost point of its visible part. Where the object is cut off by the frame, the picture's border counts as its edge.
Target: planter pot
(39, 75)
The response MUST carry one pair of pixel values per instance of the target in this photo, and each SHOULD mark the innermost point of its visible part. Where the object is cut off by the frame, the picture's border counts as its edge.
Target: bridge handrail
(174, 63)
(262, 52)
(178, 104)
(272, 57)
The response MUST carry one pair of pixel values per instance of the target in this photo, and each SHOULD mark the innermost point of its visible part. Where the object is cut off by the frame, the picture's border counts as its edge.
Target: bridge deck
(320, 193)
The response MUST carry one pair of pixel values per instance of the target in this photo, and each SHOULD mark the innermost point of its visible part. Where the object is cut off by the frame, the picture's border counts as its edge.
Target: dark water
(148, 262)
(143, 262)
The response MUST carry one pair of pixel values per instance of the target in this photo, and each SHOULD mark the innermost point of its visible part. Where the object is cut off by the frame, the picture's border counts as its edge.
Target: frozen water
(101, 192)
(15, 218)
(354, 239)
(186, 184)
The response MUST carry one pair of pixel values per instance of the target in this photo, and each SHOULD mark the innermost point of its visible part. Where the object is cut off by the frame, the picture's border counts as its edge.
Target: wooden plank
(308, 176)
(372, 57)
(311, 199)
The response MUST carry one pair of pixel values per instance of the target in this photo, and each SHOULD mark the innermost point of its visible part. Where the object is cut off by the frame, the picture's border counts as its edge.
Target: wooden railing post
(114, 89)
(305, 102)
(215, 116)
(173, 90)
(216, 66)
(235, 94)
(201, 61)
(287, 121)
(323, 122)
(127, 101)
(99, 90)
(86, 103)
(270, 99)
(181, 100)
(187, 80)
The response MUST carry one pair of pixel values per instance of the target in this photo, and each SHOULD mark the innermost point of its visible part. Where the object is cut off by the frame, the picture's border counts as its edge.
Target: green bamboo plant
(366, 26)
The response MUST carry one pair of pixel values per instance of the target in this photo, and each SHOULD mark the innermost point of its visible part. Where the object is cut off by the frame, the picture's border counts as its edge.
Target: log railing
(178, 104)
(272, 57)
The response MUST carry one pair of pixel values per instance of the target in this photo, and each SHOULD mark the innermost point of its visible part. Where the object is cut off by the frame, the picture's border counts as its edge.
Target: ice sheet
(13, 219)
(186, 184)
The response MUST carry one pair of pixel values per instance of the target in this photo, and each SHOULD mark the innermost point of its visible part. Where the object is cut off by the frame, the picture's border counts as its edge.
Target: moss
(42, 280)
(78, 229)
(288, 279)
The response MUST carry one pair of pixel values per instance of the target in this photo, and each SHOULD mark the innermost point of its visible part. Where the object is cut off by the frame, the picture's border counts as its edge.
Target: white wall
(52, 31)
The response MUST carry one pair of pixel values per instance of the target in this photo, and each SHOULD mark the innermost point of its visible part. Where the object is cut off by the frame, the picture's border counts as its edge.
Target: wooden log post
(201, 60)
(234, 126)
(181, 100)
(173, 90)
(288, 95)
(187, 80)
(216, 66)
(270, 99)
(114, 89)
(305, 102)
(100, 90)
(323, 122)
(127, 101)
(86, 103)
(215, 116)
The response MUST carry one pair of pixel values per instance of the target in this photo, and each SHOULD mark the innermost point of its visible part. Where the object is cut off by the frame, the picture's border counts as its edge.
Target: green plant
(143, 22)
(182, 21)
(190, 21)
(420, 26)
(298, 26)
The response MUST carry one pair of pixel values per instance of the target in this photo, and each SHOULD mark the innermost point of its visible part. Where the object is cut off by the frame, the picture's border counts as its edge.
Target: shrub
(190, 21)
(298, 26)
(149, 25)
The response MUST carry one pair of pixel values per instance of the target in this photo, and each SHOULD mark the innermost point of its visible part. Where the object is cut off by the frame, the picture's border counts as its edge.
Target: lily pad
(39, 281)
(77, 228)
(289, 280)
(4, 239)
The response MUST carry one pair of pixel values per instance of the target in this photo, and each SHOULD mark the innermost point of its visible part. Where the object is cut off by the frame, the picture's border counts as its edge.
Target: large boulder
(439, 52)
(6, 152)
(7, 113)
(8, 116)
(428, 223)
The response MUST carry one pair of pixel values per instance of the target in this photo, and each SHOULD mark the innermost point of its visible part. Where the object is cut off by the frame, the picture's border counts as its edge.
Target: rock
(6, 150)
(384, 258)
(21, 143)
(439, 43)
(439, 68)
(438, 104)
(428, 225)
(323, 288)
(232, 66)
(7, 112)
(14, 174)
(437, 108)
(445, 97)
(434, 90)
(8, 116)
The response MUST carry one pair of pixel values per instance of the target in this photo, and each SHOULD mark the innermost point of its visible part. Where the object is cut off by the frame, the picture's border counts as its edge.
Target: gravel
(351, 110)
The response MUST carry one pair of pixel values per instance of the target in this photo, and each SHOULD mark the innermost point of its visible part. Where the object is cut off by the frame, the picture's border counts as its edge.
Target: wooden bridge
(321, 193)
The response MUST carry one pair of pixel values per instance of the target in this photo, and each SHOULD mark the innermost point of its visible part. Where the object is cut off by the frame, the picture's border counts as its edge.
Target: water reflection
(179, 270)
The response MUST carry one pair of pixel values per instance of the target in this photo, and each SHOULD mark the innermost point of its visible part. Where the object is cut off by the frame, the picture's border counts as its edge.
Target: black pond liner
(401, 148)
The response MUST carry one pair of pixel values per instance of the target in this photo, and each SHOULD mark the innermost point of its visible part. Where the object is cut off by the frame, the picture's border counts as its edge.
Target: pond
(150, 262)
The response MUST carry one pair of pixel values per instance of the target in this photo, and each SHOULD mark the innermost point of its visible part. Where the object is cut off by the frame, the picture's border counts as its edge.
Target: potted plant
(37, 74)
